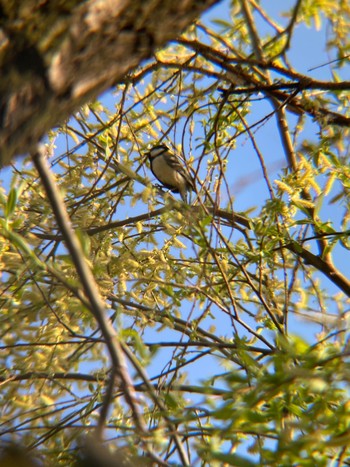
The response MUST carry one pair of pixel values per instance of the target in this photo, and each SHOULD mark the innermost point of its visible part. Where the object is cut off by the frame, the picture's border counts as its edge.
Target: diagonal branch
(89, 285)
(325, 267)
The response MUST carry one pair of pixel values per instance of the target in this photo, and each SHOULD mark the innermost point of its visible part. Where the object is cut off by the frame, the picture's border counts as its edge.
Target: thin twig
(254, 36)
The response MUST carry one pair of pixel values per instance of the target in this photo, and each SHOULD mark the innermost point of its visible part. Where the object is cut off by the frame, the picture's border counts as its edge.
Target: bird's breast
(166, 174)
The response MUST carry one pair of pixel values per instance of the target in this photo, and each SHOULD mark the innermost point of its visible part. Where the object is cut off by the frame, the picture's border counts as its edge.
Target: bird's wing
(175, 163)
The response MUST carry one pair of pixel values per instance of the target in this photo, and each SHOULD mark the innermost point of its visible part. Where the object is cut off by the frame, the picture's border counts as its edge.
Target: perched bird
(170, 170)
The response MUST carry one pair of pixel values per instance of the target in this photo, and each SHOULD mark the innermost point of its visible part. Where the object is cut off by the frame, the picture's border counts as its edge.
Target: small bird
(170, 171)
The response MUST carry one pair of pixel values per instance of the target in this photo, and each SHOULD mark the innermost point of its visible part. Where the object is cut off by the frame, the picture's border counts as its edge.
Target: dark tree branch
(253, 84)
(321, 265)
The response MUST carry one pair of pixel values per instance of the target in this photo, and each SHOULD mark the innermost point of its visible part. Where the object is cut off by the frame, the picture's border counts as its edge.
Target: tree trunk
(56, 55)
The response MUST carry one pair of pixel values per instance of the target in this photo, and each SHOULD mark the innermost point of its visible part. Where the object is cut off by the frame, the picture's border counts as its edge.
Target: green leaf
(11, 203)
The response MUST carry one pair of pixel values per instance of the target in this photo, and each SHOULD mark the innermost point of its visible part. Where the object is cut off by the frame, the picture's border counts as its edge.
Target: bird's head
(156, 151)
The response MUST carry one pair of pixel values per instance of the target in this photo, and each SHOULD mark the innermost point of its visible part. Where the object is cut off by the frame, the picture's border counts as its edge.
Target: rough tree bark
(55, 55)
